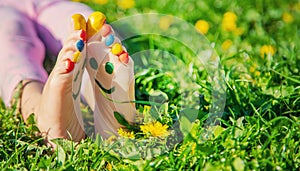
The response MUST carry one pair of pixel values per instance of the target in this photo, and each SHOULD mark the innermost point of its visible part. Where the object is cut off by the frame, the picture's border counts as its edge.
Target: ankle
(30, 97)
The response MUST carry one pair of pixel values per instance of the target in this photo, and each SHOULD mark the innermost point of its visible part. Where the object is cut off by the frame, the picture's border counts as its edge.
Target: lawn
(217, 88)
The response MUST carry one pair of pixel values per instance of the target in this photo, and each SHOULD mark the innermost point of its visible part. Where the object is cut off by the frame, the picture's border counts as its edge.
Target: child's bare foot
(56, 115)
(112, 76)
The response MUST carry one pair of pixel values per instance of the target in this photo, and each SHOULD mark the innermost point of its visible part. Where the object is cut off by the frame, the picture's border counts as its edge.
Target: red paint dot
(69, 65)
(124, 58)
(105, 30)
(83, 35)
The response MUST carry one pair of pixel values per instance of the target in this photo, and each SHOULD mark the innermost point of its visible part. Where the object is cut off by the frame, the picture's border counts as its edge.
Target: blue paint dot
(80, 45)
(94, 63)
(109, 40)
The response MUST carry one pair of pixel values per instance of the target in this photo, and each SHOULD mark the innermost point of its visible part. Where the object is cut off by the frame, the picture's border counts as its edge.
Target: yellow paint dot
(79, 22)
(202, 26)
(95, 22)
(76, 57)
(116, 49)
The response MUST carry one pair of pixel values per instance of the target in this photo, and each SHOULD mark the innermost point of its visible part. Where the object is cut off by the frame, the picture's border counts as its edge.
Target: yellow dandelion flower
(126, 134)
(226, 45)
(296, 6)
(126, 4)
(287, 17)
(79, 0)
(230, 15)
(252, 69)
(155, 129)
(111, 139)
(202, 26)
(109, 166)
(100, 2)
(238, 31)
(267, 50)
(229, 21)
(165, 22)
(257, 73)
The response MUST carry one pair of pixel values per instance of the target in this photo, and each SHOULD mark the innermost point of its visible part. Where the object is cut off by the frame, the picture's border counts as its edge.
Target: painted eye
(109, 67)
(93, 63)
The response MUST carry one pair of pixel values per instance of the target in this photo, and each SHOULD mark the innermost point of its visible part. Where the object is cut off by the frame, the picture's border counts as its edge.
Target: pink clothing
(28, 30)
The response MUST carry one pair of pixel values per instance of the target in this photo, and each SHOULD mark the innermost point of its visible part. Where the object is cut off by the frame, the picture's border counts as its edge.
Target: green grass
(258, 130)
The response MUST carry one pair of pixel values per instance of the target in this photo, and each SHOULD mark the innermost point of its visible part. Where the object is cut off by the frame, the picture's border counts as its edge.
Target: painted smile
(107, 91)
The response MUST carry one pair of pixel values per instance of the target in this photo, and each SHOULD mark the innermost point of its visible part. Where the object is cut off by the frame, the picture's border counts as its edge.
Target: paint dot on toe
(116, 49)
(69, 65)
(124, 58)
(76, 57)
(109, 67)
(94, 63)
(106, 29)
(109, 40)
(83, 35)
(80, 45)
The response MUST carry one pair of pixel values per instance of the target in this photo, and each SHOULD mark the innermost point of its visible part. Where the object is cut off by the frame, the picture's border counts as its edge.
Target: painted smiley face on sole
(110, 69)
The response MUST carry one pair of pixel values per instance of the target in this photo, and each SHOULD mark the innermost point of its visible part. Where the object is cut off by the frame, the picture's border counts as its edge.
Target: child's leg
(22, 59)
(22, 53)
(55, 112)
(53, 24)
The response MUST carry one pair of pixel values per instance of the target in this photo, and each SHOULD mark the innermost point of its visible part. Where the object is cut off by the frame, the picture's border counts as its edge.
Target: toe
(111, 72)
(79, 22)
(106, 29)
(80, 45)
(94, 24)
(69, 65)
(75, 45)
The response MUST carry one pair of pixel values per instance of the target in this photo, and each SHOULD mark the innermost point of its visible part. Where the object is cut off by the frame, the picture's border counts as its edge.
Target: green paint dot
(94, 63)
(109, 67)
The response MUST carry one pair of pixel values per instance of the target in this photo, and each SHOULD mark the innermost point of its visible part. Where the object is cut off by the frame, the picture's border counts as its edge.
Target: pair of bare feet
(93, 46)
